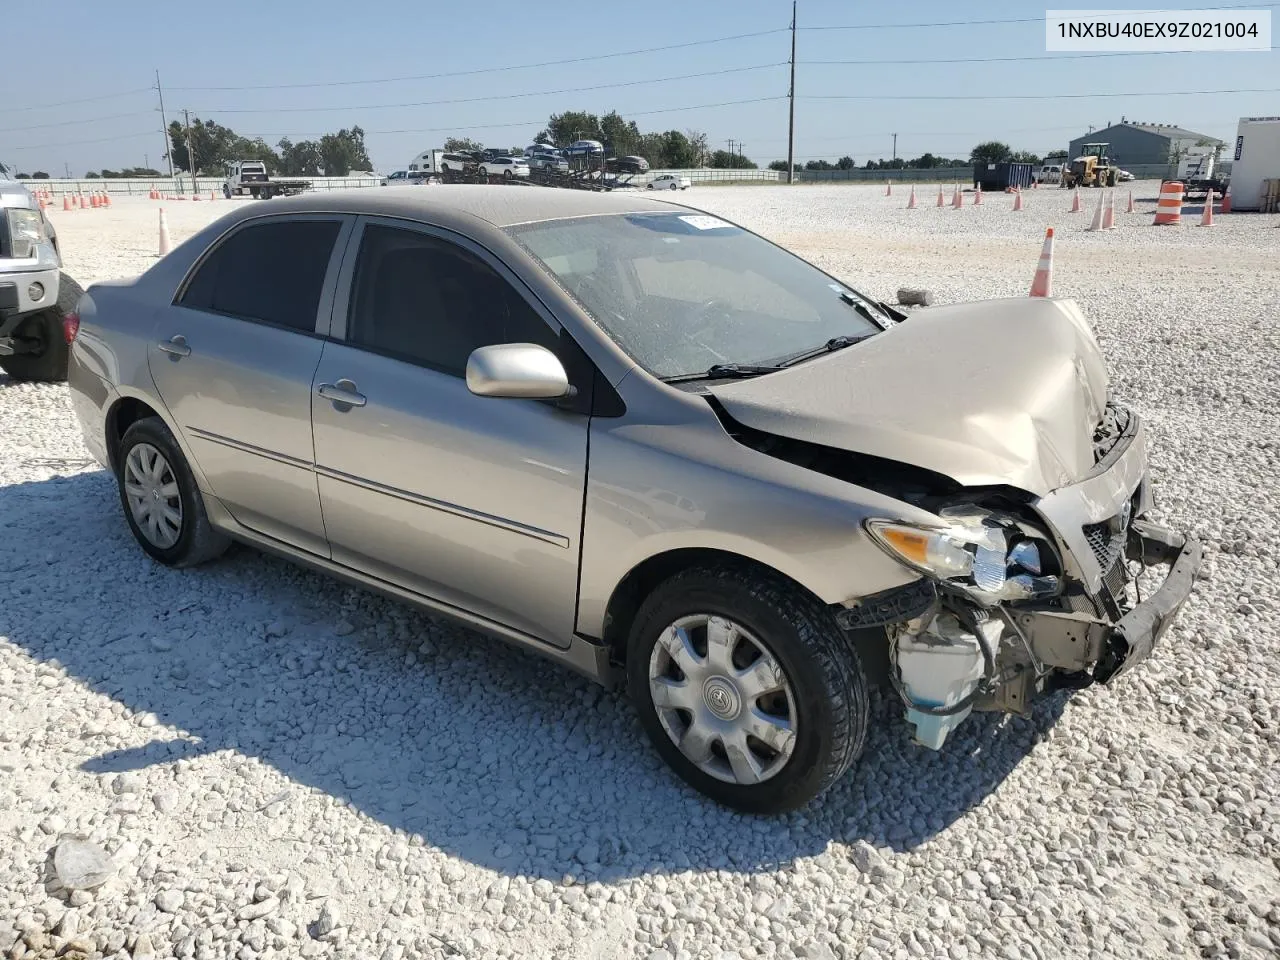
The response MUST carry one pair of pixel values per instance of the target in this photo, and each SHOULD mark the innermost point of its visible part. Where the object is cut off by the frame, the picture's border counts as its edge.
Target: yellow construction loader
(1093, 168)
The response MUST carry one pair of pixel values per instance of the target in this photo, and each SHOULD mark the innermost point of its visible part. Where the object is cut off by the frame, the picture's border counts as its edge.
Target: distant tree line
(334, 154)
(990, 152)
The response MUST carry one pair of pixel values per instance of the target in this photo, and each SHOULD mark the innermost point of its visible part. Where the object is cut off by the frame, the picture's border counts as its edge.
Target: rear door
(233, 360)
(473, 501)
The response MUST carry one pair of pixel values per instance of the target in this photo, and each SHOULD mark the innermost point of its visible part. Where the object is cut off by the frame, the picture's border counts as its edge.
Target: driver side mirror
(517, 370)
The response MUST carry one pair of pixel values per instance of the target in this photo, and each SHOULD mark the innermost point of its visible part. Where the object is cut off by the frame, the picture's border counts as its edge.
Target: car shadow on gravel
(490, 753)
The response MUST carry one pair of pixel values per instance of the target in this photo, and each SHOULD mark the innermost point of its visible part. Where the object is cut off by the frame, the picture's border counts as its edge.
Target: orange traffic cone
(911, 201)
(1225, 206)
(957, 200)
(1129, 208)
(1017, 200)
(977, 197)
(1042, 285)
(93, 201)
(43, 205)
(106, 199)
(888, 188)
(1075, 201)
(1206, 218)
(164, 234)
(212, 195)
(1109, 212)
(66, 201)
(942, 202)
(1169, 207)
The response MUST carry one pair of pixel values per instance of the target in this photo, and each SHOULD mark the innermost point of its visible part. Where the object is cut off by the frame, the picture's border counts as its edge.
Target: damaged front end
(1018, 600)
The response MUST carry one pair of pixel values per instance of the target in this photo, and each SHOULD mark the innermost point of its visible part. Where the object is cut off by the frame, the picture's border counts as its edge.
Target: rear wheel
(45, 349)
(747, 687)
(162, 504)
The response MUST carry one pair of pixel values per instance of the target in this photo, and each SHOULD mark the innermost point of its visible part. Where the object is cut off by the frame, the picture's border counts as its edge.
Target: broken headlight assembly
(985, 556)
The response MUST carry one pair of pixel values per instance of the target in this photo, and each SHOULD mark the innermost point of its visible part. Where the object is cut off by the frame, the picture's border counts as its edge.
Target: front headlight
(26, 231)
(975, 553)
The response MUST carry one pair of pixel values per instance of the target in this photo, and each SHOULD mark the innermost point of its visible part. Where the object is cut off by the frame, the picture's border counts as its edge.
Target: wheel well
(643, 579)
(126, 412)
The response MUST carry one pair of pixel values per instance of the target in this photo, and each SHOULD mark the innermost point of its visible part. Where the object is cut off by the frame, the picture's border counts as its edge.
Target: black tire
(198, 542)
(48, 364)
(819, 660)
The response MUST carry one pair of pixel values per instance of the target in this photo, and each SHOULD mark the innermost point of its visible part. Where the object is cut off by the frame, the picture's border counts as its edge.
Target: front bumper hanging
(1134, 636)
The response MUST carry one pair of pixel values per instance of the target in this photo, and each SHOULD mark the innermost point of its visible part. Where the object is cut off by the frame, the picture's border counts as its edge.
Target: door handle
(344, 392)
(175, 346)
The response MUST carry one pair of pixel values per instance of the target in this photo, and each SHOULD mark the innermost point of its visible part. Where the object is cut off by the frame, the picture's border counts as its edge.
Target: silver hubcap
(152, 491)
(723, 699)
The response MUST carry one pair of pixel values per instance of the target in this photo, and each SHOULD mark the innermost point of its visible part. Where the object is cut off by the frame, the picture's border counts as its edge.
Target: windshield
(683, 292)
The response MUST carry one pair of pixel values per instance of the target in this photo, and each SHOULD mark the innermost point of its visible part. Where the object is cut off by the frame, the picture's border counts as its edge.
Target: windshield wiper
(727, 371)
(863, 310)
(835, 343)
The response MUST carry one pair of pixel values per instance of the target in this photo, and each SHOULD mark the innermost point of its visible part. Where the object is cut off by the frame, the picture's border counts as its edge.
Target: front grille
(1106, 543)
(1115, 579)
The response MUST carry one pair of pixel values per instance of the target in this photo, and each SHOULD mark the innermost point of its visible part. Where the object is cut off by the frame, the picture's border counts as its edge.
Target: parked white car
(505, 167)
(1050, 173)
(668, 181)
(396, 178)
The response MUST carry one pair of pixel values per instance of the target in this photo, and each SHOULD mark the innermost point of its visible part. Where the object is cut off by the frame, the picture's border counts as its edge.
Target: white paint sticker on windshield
(701, 222)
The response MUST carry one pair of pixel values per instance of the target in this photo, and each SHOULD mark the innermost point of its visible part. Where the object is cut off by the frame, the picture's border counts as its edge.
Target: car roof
(500, 206)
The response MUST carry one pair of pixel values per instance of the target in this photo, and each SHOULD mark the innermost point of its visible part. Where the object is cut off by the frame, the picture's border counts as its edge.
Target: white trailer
(428, 161)
(1256, 158)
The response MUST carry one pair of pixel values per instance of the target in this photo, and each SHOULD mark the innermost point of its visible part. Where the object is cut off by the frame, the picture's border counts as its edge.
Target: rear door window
(269, 273)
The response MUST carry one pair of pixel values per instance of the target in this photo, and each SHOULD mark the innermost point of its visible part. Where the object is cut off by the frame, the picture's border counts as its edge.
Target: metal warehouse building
(1133, 144)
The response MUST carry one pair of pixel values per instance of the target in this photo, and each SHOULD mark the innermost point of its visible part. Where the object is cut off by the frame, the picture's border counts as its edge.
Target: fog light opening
(36, 291)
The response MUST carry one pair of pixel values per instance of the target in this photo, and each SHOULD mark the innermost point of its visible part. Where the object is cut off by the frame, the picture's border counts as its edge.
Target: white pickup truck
(250, 177)
(33, 337)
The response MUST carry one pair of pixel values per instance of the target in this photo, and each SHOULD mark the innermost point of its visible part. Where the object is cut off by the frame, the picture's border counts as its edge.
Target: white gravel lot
(280, 766)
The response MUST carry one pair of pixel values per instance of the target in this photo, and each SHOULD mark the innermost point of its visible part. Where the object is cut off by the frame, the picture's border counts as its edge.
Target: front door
(233, 360)
(473, 501)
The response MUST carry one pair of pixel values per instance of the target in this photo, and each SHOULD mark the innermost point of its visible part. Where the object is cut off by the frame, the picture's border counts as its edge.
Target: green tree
(677, 152)
(39, 175)
(23, 176)
(564, 128)
(301, 159)
(344, 151)
(779, 165)
(992, 151)
(466, 144)
(1024, 156)
(818, 165)
(845, 163)
(724, 160)
(620, 136)
(92, 175)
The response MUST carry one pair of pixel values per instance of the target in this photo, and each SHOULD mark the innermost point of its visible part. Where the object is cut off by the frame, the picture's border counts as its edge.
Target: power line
(72, 143)
(934, 60)
(540, 121)
(72, 123)
(1041, 96)
(68, 103)
(500, 96)
(480, 70)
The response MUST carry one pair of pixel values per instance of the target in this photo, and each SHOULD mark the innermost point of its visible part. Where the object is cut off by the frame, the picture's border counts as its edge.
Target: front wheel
(163, 506)
(747, 687)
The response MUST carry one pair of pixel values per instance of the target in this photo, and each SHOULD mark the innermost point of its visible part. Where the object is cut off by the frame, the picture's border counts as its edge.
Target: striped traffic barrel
(1169, 209)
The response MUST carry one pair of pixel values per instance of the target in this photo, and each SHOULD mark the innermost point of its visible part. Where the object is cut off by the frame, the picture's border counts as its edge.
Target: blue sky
(112, 56)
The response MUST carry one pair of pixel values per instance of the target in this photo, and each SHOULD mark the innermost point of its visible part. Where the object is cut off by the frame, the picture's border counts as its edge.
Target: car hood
(1000, 392)
(13, 193)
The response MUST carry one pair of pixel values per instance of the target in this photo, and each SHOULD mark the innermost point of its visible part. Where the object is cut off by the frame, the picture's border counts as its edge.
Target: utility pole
(67, 167)
(791, 123)
(164, 127)
(191, 154)
(895, 146)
